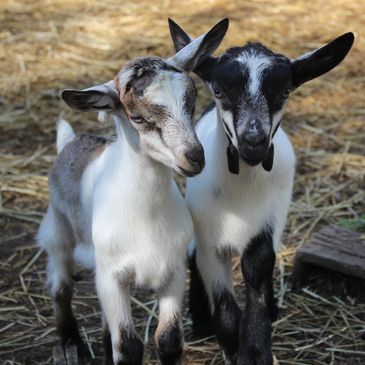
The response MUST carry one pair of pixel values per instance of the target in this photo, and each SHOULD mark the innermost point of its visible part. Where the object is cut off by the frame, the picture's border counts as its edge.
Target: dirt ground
(49, 45)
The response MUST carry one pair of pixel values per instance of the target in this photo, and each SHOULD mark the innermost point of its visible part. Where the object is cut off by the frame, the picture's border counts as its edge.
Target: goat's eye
(286, 94)
(217, 92)
(138, 120)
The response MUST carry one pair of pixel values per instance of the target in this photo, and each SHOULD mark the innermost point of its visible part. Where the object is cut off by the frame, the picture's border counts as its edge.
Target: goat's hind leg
(199, 306)
(56, 238)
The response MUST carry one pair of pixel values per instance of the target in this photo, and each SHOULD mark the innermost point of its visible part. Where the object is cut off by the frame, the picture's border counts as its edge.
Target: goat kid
(240, 202)
(114, 205)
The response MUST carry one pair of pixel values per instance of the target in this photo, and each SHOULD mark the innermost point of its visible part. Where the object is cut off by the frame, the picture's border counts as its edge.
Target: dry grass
(51, 44)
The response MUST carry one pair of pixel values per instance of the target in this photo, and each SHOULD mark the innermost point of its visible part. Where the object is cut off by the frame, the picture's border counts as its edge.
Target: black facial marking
(226, 320)
(170, 345)
(257, 265)
(276, 82)
(131, 348)
(199, 306)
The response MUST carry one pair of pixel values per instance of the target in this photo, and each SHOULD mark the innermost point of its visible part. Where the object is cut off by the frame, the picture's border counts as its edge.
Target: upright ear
(318, 62)
(179, 37)
(191, 53)
(98, 98)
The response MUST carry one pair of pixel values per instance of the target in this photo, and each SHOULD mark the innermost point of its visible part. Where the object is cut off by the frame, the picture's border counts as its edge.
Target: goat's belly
(147, 266)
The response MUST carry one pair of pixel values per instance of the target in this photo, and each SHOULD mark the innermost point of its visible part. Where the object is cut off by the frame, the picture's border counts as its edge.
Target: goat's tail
(65, 134)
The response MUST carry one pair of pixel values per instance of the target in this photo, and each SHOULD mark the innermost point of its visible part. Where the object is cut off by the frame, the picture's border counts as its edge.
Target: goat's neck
(131, 163)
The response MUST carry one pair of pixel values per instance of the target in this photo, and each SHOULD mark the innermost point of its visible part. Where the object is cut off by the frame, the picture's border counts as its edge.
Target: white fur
(255, 63)
(229, 210)
(65, 134)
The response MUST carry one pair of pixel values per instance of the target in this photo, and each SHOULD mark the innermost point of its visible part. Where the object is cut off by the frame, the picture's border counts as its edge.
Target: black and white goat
(239, 203)
(114, 205)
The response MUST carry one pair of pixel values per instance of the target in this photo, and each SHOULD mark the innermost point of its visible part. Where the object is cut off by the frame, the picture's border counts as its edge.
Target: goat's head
(251, 85)
(157, 96)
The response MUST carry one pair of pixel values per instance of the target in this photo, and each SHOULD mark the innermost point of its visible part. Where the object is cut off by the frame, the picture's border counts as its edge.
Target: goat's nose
(254, 135)
(195, 156)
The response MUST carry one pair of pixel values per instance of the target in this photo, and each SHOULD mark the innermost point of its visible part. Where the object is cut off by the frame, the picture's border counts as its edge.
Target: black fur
(255, 329)
(170, 345)
(226, 321)
(65, 320)
(199, 306)
(108, 349)
(233, 159)
(131, 348)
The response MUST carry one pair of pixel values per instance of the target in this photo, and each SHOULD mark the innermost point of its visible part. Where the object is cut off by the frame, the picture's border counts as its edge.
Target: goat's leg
(199, 305)
(107, 343)
(216, 272)
(169, 333)
(55, 236)
(127, 347)
(258, 262)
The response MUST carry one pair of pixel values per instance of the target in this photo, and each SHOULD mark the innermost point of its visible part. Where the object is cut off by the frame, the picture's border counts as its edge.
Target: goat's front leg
(216, 272)
(169, 334)
(119, 333)
(257, 264)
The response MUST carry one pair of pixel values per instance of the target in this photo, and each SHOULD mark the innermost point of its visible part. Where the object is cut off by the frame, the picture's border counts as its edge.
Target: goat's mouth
(253, 157)
(188, 173)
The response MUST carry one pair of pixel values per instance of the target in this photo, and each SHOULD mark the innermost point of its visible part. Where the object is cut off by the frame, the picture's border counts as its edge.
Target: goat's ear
(318, 62)
(97, 98)
(179, 37)
(190, 56)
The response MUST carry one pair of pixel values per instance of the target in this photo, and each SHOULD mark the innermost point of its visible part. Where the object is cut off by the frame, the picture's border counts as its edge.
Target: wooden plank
(334, 248)
(59, 356)
(71, 355)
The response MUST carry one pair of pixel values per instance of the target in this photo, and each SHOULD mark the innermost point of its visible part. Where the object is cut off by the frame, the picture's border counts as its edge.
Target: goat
(114, 206)
(240, 202)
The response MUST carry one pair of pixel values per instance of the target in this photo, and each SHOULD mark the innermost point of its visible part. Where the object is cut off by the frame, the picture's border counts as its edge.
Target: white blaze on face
(168, 89)
(255, 64)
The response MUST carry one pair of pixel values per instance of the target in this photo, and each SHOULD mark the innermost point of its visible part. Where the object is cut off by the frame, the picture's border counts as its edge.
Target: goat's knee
(170, 343)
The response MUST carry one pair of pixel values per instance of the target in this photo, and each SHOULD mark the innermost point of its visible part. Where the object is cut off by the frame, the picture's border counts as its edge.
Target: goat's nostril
(195, 156)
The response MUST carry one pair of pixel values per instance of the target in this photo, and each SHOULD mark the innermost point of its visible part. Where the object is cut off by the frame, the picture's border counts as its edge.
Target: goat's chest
(230, 215)
(143, 240)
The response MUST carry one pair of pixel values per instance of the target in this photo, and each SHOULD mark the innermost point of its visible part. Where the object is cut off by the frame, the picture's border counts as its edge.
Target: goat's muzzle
(253, 143)
(195, 160)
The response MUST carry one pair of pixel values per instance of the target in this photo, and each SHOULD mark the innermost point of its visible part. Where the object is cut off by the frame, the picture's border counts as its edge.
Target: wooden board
(65, 355)
(334, 248)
